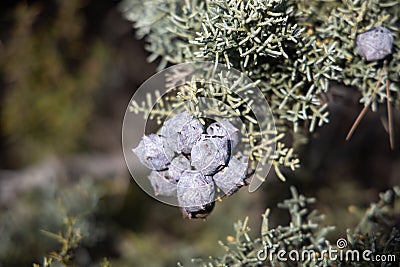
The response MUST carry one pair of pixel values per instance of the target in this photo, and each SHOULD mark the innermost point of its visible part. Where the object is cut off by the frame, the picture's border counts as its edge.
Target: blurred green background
(67, 72)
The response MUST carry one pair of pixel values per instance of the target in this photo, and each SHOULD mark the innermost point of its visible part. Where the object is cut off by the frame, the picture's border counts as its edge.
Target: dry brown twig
(366, 106)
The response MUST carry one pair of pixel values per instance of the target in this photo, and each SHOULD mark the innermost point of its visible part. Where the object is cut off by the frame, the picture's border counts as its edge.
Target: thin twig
(390, 118)
(365, 109)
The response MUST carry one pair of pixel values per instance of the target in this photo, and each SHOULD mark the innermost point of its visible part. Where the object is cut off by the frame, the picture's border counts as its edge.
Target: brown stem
(365, 109)
(390, 118)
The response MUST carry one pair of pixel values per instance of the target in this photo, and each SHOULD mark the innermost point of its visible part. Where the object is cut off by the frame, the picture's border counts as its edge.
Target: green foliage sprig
(74, 204)
(260, 38)
(291, 49)
(69, 240)
(305, 231)
(378, 229)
